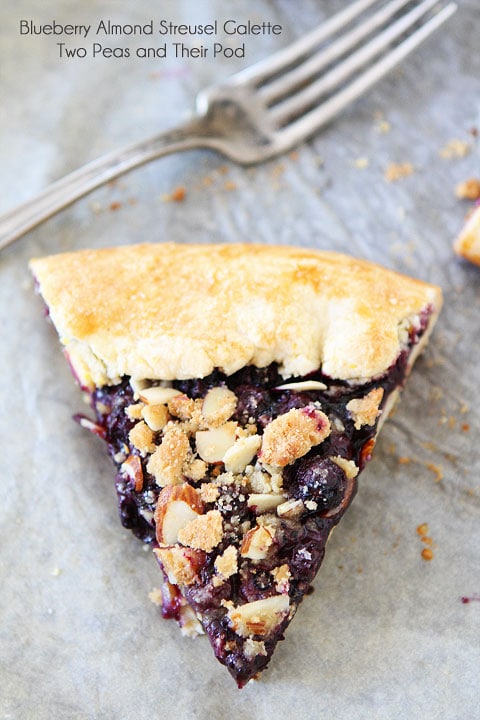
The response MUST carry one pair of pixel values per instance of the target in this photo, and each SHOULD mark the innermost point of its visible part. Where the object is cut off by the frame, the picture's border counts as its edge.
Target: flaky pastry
(170, 311)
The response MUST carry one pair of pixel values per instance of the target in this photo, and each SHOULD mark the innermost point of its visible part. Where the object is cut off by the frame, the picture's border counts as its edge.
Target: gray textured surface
(385, 634)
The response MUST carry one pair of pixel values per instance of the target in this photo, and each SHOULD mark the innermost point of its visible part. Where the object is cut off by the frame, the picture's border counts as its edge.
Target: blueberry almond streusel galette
(239, 389)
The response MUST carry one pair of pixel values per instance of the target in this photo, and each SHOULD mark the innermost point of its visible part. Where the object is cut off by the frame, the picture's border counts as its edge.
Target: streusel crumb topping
(203, 533)
(292, 435)
(365, 411)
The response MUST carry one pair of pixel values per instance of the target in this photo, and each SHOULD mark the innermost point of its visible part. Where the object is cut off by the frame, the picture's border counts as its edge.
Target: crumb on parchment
(177, 195)
(397, 171)
(423, 532)
(455, 148)
(468, 189)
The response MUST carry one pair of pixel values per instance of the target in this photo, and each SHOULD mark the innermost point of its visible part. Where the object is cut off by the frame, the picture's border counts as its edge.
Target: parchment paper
(385, 634)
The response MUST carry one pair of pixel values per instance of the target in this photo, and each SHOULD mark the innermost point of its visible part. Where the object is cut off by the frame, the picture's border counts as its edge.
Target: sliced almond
(147, 515)
(157, 395)
(177, 516)
(260, 617)
(218, 405)
(92, 426)
(156, 416)
(132, 468)
(264, 502)
(303, 386)
(213, 444)
(290, 509)
(177, 505)
(138, 384)
(241, 453)
(257, 542)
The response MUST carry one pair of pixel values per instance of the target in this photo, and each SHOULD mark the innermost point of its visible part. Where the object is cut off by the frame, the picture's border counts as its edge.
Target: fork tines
(310, 81)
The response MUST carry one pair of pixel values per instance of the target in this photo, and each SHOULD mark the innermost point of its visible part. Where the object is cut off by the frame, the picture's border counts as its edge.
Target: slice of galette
(239, 389)
(467, 244)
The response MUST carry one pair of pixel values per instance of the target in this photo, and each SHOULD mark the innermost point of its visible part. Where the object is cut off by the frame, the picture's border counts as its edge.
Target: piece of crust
(467, 243)
(170, 311)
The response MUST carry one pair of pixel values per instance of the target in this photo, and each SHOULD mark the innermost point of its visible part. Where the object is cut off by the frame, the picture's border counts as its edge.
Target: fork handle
(18, 221)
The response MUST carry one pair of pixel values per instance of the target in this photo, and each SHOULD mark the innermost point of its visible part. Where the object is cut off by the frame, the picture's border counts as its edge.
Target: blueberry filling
(257, 400)
(319, 485)
(318, 479)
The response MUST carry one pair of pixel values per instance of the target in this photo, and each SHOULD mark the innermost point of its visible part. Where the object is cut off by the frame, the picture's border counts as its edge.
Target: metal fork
(267, 109)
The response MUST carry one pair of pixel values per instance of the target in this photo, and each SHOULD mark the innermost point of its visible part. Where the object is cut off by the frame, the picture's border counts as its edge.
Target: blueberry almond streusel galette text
(239, 390)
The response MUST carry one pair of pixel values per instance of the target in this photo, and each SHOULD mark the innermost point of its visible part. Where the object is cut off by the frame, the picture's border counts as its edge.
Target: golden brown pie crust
(174, 311)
